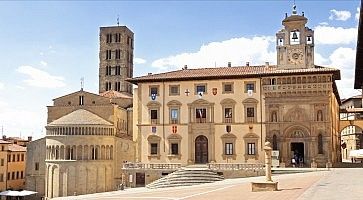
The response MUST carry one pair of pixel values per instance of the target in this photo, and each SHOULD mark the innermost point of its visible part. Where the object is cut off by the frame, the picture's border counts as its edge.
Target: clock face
(295, 56)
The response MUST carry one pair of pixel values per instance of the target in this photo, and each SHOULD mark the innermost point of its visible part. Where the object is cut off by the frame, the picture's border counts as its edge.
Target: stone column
(268, 160)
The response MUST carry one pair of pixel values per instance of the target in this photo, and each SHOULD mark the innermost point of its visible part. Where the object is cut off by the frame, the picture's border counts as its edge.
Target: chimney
(149, 73)
(4, 137)
(30, 138)
(229, 64)
(247, 64)
(267, 64)
(185, 67)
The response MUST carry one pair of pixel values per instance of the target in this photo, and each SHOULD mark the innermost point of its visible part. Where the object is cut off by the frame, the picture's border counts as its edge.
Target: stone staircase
(187, 176)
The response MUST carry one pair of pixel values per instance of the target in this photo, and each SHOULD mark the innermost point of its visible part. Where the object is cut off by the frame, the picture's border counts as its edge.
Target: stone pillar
(268, 160)
(267, 185)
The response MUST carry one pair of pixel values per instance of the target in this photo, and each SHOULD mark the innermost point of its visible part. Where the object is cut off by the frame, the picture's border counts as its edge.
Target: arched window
(320, 144)
(274, 142)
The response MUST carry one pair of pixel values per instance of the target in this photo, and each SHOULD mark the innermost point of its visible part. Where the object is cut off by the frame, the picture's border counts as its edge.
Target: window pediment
(228, 101)
(201, 102)
(174, 136)
(153, 138)
(174, 103)
(250, 101)
(229, 136)
(153, 104)
(251, 135)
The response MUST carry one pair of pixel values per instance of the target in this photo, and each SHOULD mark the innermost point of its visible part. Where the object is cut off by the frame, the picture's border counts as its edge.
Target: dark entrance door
(140, 179)
(297, 151)
(201, 149)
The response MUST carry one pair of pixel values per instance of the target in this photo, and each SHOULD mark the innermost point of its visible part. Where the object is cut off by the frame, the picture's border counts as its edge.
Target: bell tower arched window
(295, 37)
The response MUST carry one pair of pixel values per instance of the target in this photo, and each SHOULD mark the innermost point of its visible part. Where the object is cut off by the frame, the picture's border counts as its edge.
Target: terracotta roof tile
(80, 117)
(15, 147)
(115, 94)
(230, 72)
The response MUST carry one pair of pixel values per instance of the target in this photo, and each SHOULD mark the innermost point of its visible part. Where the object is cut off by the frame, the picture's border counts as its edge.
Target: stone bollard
(267, 185)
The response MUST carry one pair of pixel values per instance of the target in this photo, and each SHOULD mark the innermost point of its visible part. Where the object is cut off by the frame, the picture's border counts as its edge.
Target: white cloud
(341, 15)
(39, 78)
(139, 61)
(324, 23)
(357, 14)
(43, 63)
(320, 60)
(238, 51)
(335, 35)
(344, 59)
(41, 53)
(14, 118)
(2, 85)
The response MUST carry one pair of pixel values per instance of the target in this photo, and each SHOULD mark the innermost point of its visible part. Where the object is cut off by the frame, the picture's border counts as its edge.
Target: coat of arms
(214, 91)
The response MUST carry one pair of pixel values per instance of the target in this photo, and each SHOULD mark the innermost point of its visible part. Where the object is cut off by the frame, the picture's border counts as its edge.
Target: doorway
(140, 179)
(297, 151)
(201, 149)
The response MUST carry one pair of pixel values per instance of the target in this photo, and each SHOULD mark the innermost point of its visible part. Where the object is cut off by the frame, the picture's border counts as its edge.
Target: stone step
(191, 175)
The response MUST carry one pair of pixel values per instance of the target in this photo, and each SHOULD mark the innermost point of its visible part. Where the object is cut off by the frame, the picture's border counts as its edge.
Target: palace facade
(225, 114)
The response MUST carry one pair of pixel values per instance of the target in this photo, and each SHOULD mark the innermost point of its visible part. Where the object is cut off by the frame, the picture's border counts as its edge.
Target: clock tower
(295, 43)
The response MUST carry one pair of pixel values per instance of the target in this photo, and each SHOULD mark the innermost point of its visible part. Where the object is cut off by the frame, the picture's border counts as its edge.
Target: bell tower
(295, 43)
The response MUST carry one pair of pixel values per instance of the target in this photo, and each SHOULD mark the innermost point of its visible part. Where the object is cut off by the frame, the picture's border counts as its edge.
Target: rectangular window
(250, 86)
(14, 158)
(21, 174)
(17, 175)
(18, 157)
(9, 158)
(200, 88)
(2, 162)
(227, 87)
(8, 175)
(36, 166)
(228, 149)
(154, 91)
(174, 115)
(12, 175)
(201, 115)
(1, 177)
(2, 148)
(250, 114)
(251, 148)
(154, 149)
(154, 116)
(174, 149)
(227, 115)
(173, 90)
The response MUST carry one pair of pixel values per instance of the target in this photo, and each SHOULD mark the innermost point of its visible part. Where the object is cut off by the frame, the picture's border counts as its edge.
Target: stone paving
(339, 184)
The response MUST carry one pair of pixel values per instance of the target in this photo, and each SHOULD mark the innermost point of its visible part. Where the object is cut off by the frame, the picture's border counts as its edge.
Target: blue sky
(46, 47)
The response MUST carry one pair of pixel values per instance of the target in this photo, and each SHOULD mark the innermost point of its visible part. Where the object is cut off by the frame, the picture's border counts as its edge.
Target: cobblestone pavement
(334, 184)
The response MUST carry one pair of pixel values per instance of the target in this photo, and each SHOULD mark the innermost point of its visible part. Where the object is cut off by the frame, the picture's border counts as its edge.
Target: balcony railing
(200, 120)
(151, 166)
(235, 166)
